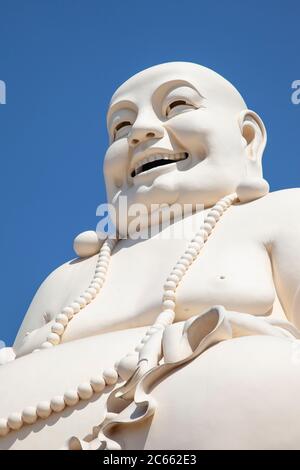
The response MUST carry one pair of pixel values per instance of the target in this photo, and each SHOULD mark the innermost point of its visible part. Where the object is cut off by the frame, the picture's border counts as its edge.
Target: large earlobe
(254, 132)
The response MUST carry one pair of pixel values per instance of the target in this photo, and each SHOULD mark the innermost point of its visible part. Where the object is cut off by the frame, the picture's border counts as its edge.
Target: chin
(162, 190)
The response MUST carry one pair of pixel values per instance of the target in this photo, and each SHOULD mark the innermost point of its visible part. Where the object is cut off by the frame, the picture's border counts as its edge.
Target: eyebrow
(176, 83)
(131, 105)
(119, 105)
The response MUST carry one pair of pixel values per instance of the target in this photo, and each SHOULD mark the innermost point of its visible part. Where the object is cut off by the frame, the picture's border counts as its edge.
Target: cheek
(192, 129)
(116, 163)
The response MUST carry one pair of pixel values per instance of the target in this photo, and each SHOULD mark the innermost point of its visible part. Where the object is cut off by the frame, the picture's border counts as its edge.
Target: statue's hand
(6, 355)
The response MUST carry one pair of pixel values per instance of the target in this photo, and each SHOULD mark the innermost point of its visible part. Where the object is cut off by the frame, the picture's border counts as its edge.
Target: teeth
(152, 158)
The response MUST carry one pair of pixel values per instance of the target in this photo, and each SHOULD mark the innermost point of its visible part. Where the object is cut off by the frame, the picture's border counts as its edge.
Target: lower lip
(158, 170)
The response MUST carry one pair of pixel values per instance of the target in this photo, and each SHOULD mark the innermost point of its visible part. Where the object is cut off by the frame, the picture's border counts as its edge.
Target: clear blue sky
(61, 61)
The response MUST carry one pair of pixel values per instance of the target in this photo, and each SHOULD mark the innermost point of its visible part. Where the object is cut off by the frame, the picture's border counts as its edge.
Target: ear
(255, 136)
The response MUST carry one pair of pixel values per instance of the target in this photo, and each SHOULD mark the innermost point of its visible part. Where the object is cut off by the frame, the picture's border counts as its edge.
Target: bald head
(180, 132)
(208, 83)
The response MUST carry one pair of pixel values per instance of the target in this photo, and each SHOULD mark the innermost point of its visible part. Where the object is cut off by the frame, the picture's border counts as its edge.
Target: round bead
(178, 272)
(87, 297)
(189, 258)
(43, 409)
(169, 294)
(95, 286)
(100, 271)
(46, 345)
(208, 228)
(199, 240)
(98, 280)
(194, 245)
(111, 242)
(57, 328)
(168, 305)
(100, 276)
(219, 209)
(184, 262)
(127, 366)
(203, 234)
(15, 421)
(151, 330)
(211, 221)
(223, 204)
(4, 428)
(104, 258)
(145, 339)
(76, 307)
(103, 265)
(215, 214)
(93, 295)
(105, 250)
(57, 403)
(174, 277)
(170, 285)
(181, 266)
(139, 347)
(71, 397)
(61, 318)
(86, 244)
(81, 301)
(29, 415)
(92, 291)
(192, 252)
(53, 338)
(110, 376)
(165, 318)
(97, 383)
(85, 391)
(227, 200)
(68, 311)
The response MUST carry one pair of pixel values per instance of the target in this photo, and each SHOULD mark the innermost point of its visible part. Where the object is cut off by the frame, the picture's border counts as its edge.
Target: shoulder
(63, 284)
(280, 212)
(289, 196)
(277, 203)
(67, 273)
(283, 205)
(274, 217)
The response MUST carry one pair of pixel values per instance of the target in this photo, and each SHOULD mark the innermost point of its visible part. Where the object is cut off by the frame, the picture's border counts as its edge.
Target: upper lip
(137, 160)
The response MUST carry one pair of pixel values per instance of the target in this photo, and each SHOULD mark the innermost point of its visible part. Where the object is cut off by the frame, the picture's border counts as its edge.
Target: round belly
(41, 376)
(240, 394)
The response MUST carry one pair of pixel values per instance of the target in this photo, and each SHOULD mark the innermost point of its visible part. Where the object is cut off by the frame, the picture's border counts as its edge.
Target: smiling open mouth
(157, 160)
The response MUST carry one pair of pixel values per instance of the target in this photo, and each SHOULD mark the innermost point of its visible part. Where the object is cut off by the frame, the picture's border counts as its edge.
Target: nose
(145, 129)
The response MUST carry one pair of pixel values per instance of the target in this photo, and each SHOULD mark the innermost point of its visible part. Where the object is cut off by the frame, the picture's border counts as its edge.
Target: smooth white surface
(245, 391)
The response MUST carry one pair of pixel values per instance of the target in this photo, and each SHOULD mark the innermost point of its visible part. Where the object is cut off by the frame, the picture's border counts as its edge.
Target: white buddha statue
(169, 342)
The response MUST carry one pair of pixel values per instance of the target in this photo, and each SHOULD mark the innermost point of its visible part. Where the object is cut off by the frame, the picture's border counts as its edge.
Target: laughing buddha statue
(164, 342)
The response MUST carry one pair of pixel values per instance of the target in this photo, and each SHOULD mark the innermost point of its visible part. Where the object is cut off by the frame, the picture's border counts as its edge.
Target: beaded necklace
(146, 354)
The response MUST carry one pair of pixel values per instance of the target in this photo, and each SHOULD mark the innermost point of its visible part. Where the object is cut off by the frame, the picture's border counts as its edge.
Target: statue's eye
(178, 106)
(121, 129)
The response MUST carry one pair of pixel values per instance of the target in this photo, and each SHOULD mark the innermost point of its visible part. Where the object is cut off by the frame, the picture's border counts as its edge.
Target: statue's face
(174, 137)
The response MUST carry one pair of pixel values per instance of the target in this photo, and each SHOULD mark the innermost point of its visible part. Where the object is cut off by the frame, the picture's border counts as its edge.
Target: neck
(166, 222)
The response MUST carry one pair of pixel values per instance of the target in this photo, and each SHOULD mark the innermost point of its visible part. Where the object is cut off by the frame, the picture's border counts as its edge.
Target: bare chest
(230, 271)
